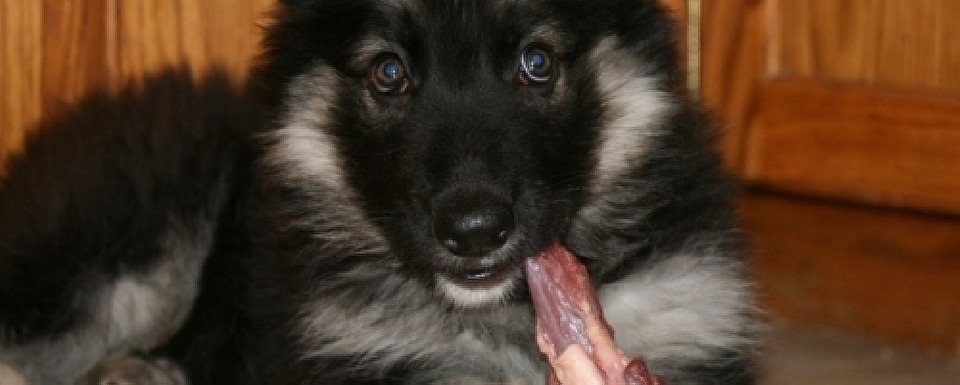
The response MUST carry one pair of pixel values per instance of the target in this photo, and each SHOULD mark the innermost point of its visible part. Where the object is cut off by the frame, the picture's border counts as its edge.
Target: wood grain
(874, 42)
(21, 35)
(232, 32)
(880, 146)
(74, 49)
(866, 270)
(733, 66)
(154, 34)
(54, 51)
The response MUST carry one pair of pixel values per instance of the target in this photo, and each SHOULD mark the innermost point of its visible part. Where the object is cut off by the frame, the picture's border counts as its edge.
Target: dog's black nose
(473, 228)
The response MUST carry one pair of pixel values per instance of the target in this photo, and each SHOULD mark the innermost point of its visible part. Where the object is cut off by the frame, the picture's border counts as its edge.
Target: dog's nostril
(473, 230)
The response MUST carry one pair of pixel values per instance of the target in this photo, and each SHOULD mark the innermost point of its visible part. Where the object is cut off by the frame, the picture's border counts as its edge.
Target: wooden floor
(821, 357)
(857, 268)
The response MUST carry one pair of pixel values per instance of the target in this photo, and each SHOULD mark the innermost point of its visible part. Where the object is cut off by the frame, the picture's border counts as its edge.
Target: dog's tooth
(480, 274)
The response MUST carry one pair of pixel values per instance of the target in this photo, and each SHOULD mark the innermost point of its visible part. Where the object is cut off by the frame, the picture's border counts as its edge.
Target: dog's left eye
(388, 75)
(536, 65)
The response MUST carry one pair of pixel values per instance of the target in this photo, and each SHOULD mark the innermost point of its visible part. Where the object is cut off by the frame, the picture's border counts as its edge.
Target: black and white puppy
(413, 154)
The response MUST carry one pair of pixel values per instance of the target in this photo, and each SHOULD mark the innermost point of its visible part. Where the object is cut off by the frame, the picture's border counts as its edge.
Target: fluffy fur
(106, 221)
(370, 228)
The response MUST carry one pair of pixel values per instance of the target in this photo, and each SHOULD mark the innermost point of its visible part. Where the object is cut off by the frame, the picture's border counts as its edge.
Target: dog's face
(461, 137)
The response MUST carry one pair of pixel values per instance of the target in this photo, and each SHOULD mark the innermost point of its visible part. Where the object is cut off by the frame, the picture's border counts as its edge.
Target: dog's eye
(389, 76)
(536, 65)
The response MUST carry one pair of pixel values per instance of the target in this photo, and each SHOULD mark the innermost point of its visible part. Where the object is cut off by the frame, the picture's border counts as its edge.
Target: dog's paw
(9, 376)
(135, 370)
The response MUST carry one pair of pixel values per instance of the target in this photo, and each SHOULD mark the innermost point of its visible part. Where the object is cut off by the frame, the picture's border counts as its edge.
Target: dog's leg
(9, 376)
(106, 219)
(136, 311)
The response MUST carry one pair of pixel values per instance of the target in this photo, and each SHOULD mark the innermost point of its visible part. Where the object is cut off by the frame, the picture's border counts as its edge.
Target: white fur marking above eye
(302, 148)
(302, 153)
(635, 108)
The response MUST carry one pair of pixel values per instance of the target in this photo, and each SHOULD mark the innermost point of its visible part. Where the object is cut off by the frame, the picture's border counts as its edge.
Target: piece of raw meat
(571, 330)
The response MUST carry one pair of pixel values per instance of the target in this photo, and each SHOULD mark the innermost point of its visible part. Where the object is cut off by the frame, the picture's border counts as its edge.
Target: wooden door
(843, 119)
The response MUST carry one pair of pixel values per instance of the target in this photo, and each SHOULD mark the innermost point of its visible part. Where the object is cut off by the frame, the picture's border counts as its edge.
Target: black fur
(136, 159)
(98, 187)
(325, 265)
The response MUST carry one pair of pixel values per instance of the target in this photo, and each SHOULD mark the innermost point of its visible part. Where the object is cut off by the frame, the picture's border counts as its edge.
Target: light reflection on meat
(571, 330)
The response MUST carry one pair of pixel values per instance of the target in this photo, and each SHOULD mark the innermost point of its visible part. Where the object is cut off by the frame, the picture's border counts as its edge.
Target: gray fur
(636, 105)
(136, 312)
(685, 307)
(343, 272)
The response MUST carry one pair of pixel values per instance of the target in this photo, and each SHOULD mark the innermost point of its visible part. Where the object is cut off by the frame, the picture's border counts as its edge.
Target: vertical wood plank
(54, 51)
(733, 67)
(232, 32)
(154, 34)
(75, 50)
(21, 38)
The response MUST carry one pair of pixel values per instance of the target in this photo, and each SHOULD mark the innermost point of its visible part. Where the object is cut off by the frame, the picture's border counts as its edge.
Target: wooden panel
(157, 33)
(232, 32)
(75, 51)
(879, 42)
(869, 145)
(886, 273)
(54, 51)
(153, 34)
(20, 37)
(732, 68)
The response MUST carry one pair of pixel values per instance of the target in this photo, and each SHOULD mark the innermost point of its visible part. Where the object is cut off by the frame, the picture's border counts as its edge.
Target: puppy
(410, 156)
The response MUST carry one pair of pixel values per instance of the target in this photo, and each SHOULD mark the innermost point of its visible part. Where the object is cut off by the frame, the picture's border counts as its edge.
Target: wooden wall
(843, 119)
(52, 51)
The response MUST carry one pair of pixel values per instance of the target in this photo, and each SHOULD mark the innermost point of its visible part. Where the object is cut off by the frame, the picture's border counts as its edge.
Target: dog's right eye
(536, 65)
(389, 75)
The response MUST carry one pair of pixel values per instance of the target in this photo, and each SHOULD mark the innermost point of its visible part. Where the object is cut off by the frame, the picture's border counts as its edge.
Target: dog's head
(461, 137)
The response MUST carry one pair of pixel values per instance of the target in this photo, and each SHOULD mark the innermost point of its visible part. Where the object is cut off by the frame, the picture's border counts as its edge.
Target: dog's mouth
(481, 285)
(486, 276)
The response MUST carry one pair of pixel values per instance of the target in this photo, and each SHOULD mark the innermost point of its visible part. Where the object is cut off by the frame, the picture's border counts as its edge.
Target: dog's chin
(479, 292)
